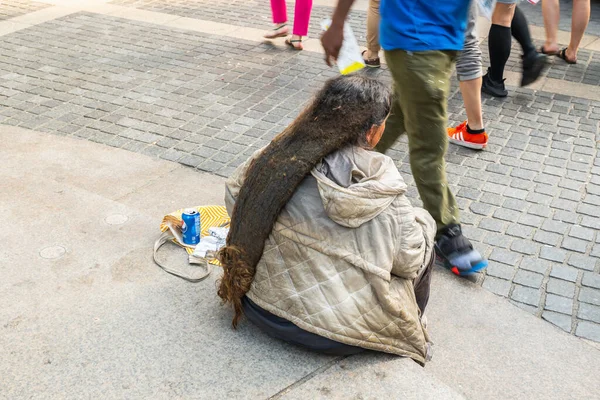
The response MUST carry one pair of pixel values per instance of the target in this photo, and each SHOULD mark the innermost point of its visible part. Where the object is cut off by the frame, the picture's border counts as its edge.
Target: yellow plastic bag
(210, 217)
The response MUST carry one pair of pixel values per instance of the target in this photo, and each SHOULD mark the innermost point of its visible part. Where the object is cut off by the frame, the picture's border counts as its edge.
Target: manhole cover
(52, 252)
(116, 219)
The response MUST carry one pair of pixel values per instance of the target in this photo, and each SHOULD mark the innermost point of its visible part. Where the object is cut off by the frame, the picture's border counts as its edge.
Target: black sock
(520, 31)
(474, 131)
(499, 42)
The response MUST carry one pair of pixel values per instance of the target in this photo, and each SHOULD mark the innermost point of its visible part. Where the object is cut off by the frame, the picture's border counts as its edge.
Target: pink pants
(301, 15)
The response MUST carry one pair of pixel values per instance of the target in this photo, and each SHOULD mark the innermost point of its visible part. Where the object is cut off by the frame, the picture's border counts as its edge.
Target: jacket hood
(356, 185)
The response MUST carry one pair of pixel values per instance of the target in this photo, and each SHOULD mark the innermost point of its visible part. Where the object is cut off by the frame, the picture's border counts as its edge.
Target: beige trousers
(373, 27)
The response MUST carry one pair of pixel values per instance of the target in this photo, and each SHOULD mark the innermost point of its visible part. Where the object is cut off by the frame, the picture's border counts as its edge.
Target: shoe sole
(475, 269)
(492, 93)
(277, 36)
(469, 145)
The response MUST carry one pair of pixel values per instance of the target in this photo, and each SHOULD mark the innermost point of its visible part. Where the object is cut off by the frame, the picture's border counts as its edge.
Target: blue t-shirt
(420, 25)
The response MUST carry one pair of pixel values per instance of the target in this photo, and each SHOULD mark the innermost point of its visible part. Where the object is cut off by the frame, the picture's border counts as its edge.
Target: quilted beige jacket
(343, 255)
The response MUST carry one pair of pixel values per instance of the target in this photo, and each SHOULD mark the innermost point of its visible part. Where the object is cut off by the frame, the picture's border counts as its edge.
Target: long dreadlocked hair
(341, 114)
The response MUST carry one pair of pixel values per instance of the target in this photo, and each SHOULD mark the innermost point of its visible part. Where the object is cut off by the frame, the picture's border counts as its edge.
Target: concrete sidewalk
(87, 314)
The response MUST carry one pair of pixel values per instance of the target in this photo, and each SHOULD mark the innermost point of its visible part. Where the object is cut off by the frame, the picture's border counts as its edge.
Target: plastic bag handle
(165, 237)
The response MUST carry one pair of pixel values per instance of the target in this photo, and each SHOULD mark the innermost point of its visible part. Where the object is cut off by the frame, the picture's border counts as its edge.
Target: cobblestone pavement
(247, 13)
(15, 8)
(531, 201)
(257, 14)
(534, 15)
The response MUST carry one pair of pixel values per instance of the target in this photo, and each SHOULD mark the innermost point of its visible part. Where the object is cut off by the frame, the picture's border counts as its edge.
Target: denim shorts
(507, 1)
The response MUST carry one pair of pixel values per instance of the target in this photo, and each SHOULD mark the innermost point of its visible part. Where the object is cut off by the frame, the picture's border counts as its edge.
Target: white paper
(208, 243)
(350, 58)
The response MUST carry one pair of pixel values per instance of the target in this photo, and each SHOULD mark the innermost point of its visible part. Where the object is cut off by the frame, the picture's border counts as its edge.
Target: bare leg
(503, 14)
(471, 94)
(579, 22)
(551, 12)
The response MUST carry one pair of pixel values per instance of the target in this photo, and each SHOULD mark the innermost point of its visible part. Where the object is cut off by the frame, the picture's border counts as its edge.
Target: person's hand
(332, 42)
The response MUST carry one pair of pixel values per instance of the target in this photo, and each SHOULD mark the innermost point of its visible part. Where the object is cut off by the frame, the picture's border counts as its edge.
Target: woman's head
(348, 110)
(355, 103)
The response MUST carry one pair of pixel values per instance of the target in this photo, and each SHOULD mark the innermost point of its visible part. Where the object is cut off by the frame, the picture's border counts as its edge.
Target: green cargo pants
(421, 86)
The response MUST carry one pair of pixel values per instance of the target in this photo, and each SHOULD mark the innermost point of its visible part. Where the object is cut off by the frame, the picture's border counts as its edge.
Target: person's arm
(334, 36)
(415, 244)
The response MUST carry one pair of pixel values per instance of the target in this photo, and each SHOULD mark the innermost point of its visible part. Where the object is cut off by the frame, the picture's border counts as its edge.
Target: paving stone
(527, 278)
(559, 304)
(591, 280)
(535, 264)
(595, 251)
(505, 257)
(581, 233)
(589, 295)
(482, 209)
(526, 307)
(499, 270)
(555, 226)
(564, 273)
(507, 215)
(192, 161)
(520, 231)
(515, 193)
(561, 288)
(566, 216)
(577, 245)
(553, 254)
(173, 155)
(490, 224)
(539, 210)
(493, 188)
(526, 295)
(531, 220)
(561, 320)
(588, 330)
(515, 204)
(589, 209)
(582, 262)
(498, 240)
(589, 312)
(469, 193)
(525, 247)
(210, 166)
(498, 286)
(548, 238)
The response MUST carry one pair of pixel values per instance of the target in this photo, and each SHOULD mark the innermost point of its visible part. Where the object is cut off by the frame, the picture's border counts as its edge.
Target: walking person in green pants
(421, 39)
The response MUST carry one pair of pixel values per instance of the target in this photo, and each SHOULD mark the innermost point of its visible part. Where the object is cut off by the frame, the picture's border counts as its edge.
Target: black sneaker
(533, 66)
(493, 88)
(457, 253)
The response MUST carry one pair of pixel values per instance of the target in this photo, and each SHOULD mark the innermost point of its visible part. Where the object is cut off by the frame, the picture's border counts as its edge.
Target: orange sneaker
(461, 137)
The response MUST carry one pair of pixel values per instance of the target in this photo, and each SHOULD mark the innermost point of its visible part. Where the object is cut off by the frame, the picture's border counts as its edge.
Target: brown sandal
(371, 62)
(295, 44)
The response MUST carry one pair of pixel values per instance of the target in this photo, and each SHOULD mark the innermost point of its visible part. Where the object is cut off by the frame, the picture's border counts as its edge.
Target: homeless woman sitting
(325, 251)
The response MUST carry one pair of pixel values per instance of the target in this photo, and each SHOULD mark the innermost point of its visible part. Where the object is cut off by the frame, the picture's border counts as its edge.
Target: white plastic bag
(350, 59)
